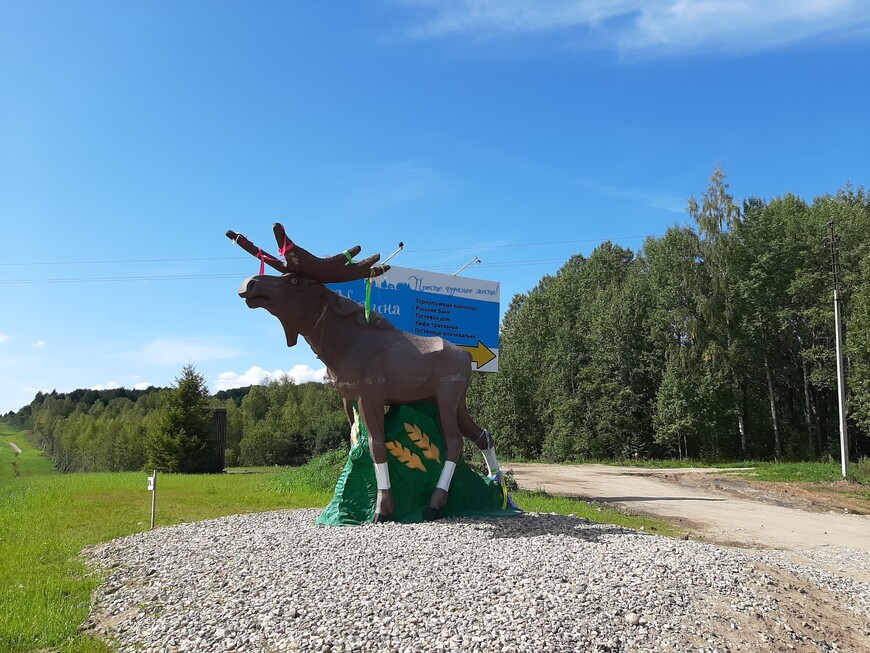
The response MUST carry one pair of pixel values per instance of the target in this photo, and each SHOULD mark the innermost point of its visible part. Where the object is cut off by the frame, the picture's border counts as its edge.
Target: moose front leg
(453, 443)
(372, 414)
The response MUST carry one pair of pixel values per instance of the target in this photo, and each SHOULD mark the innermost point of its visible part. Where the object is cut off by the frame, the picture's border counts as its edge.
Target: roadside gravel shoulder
(275, 581)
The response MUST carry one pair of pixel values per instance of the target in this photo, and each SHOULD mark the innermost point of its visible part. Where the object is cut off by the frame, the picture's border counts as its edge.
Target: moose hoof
(432, 513)
(380, 518)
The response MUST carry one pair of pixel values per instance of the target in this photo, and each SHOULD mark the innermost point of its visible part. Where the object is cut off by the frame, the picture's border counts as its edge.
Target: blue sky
(134, 134)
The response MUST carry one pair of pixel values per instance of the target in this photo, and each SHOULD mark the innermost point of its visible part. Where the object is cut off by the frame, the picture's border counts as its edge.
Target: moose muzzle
(256, 295)
(248, 292)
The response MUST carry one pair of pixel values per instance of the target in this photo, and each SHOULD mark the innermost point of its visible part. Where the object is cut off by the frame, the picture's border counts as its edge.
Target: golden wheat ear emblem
(406, 456)
(430, 451)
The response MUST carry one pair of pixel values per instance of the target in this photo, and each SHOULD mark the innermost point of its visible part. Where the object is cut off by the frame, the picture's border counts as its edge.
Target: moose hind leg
(480, 437)
(372, 415)
(453, 443)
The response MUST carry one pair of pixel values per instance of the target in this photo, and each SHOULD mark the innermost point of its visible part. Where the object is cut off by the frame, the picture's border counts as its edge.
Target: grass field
(47, 518)
(824, 479)
(801, 472)
(29, 462)
(826, 472)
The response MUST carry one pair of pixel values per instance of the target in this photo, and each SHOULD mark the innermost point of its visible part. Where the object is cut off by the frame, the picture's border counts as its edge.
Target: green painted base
(416, 455)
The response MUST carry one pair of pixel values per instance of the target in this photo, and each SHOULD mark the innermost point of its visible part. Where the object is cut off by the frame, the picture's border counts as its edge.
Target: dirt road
(713, 508)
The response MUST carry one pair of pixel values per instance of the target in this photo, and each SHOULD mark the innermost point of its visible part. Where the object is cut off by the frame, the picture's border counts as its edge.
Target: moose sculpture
(369, 360)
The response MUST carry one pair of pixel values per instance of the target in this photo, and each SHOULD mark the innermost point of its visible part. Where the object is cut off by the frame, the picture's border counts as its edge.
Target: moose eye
(294, 280)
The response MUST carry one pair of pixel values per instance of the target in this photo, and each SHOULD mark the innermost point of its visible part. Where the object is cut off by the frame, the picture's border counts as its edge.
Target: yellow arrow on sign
(480, 354)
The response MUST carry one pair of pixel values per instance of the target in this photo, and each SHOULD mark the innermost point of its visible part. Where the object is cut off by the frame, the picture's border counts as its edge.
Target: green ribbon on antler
(350, 261)
(369, 295)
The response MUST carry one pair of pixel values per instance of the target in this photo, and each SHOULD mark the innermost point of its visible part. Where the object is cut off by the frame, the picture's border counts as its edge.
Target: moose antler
(333, 269)
(255, 251)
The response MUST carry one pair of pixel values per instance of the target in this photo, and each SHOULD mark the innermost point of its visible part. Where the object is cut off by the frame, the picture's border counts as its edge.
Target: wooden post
(152, 485)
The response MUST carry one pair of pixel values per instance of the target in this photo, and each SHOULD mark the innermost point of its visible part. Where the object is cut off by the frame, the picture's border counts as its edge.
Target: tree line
(716, 340)
(171, 429)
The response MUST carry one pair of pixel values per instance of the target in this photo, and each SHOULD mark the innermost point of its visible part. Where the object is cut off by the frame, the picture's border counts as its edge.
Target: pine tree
(182, 439)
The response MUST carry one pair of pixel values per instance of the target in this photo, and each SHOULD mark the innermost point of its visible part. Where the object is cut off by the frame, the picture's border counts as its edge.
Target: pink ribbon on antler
(286, 247)
(263, 256)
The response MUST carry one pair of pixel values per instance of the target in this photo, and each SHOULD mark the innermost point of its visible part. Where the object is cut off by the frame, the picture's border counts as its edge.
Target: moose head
(296, 293)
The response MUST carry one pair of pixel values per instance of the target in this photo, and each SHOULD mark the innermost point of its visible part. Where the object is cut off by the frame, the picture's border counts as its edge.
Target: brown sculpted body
(369, 361)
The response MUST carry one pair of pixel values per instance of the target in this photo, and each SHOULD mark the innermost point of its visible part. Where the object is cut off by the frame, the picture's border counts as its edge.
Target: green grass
(539, 501)
(320, 475)
(323, 472)
(821, 478)
(826, 472)
(675, 463)
(47, 518)
(784, 472)
(30, 462)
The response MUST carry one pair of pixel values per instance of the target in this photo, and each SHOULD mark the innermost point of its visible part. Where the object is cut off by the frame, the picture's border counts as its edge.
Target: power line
(554, 242)
(199, 277)
(240, 258)
(125, 261)
(168, 277)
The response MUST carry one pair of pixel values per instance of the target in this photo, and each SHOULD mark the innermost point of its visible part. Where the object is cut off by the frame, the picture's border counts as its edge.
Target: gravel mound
(276, 582)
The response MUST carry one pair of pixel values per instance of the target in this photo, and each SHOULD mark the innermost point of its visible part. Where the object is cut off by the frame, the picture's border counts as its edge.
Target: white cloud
(258, 376)
(181, 352)
(4, 338)
(737, 26)
(654, 25)
(114, 385)
(39, 344)
(140, 385)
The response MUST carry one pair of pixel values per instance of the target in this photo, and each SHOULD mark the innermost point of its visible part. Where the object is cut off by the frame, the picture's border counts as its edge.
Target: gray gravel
(276, 582)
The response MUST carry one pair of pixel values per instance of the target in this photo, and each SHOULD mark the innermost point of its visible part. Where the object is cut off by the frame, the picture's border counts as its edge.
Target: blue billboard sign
(461, 310)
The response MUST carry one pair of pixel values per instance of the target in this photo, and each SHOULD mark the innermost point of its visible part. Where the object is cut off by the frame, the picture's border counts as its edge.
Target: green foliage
(319, 475)
(858, 346)
(285, 424)
(810, 472)
(171, 429)
(182, 439)
(715, 341)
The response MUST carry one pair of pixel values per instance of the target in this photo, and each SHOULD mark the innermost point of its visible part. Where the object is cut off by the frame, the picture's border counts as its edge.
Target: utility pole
(841, 375)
